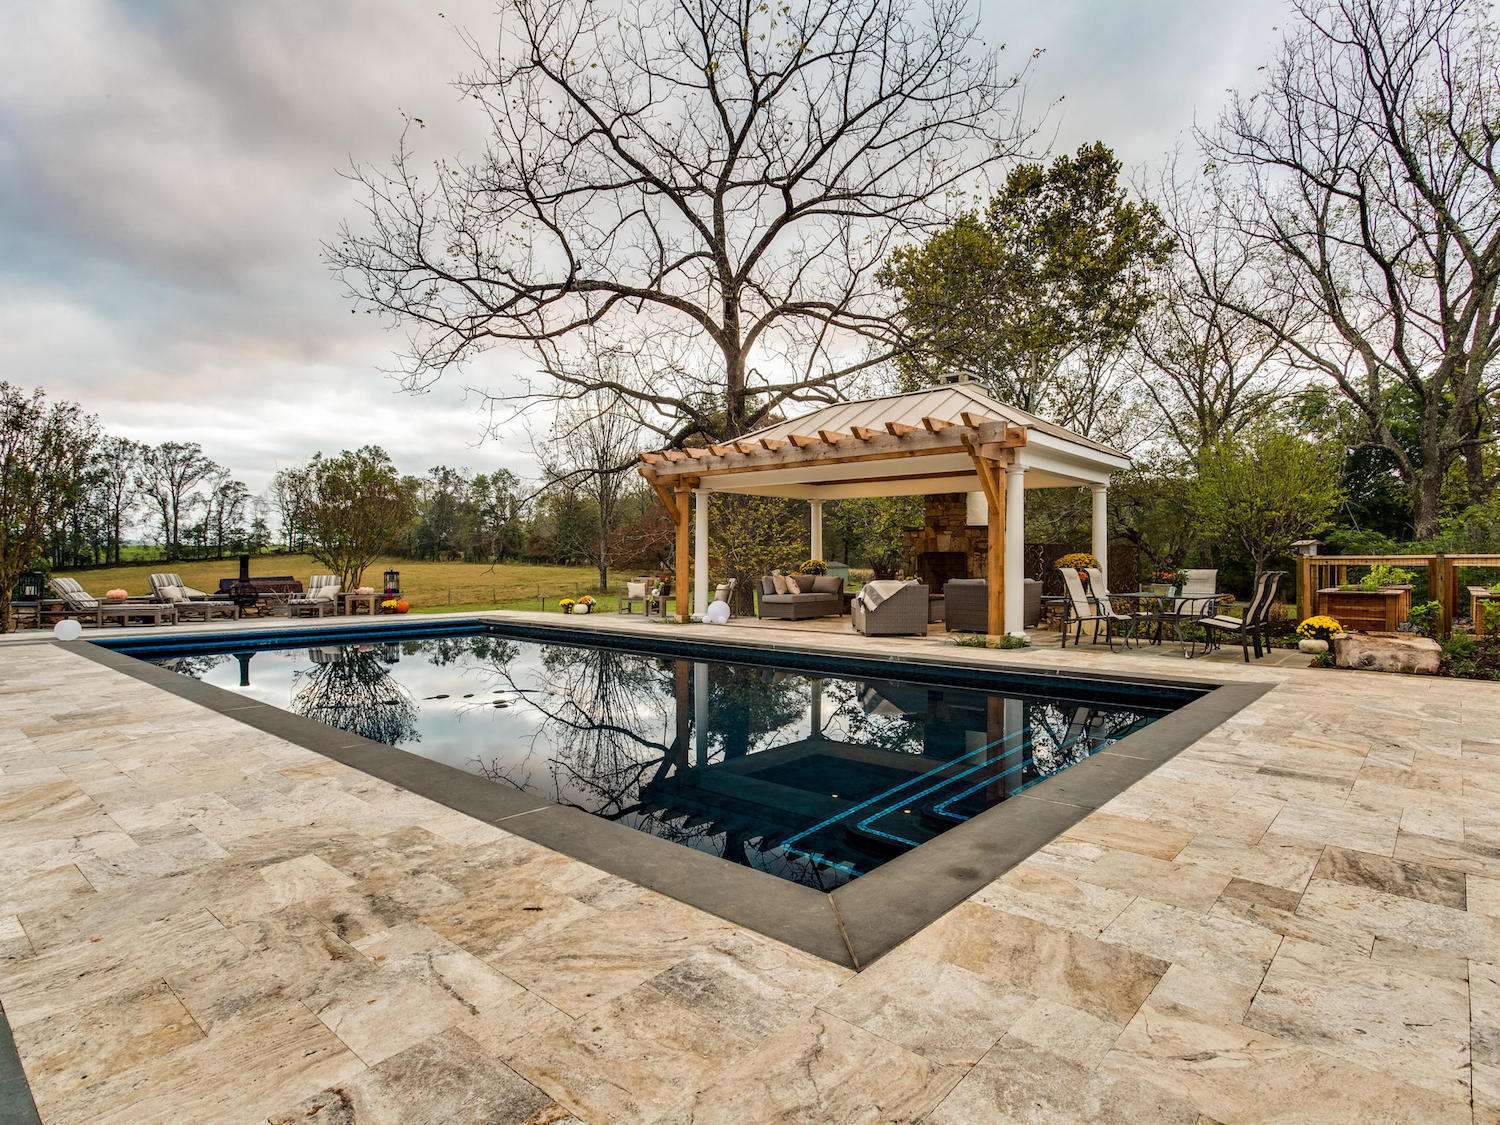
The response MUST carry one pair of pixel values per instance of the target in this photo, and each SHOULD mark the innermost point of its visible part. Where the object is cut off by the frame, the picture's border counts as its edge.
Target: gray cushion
(828, 584)
(767, 586)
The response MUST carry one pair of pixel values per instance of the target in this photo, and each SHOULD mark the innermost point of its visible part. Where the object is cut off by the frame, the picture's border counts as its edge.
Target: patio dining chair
(636, 590)
(1078, 612)
(1254, 628)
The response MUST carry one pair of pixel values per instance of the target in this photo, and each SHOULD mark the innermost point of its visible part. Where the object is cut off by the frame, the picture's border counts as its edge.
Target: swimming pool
(817, 770)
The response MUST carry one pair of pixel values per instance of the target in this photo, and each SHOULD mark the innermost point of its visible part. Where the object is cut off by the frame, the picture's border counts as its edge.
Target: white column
(700, 551)
(1015, 550)
(817, 529)
(1100, 546)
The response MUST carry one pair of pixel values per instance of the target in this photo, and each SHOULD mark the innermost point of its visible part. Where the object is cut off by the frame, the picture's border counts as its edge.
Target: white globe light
(69, 630)
(717, 614)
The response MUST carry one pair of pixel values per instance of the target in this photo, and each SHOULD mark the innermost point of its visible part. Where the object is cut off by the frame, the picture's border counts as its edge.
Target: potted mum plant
(1315, 634)
(584, 604)
(1079, 561)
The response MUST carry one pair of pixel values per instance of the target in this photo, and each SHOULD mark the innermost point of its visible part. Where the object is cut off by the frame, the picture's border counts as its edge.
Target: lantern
(29, 587)
(392, 582)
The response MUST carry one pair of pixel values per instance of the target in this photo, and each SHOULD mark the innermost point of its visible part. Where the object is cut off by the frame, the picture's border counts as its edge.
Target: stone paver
(1298, 918)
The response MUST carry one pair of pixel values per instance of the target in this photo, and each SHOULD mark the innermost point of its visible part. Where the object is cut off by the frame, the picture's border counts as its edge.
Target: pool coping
(851, 926)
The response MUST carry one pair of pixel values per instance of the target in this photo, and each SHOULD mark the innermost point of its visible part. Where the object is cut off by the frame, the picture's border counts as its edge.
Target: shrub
(1319, 628)
(1381, 576)
(1491, 613)
(1470, 658)
(1425, 618)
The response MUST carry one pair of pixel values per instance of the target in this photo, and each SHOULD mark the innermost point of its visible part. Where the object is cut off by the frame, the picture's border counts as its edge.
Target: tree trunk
(1427, 498)
(5, 623)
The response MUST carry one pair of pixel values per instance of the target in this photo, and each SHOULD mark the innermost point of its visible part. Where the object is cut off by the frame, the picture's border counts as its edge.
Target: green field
(430, 586)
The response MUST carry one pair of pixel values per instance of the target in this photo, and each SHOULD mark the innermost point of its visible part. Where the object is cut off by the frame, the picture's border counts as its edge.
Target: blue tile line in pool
(866, 824)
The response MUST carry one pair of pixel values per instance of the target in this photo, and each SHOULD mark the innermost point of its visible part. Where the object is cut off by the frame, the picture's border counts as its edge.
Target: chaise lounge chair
(320, 599)
(169, 589)
(79, 603)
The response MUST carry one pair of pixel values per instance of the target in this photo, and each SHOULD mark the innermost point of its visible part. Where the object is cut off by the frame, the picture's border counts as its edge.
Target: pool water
(816, 776)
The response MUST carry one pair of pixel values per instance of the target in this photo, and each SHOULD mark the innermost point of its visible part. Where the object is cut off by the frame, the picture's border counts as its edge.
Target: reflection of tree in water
(1063, 733)
(748, 707)
(598, 708)
(352, 689)
(195, 666)
(856, 722)
(482, 648)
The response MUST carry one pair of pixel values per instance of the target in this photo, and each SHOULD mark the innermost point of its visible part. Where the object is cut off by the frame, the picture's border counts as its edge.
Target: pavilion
(942, 439)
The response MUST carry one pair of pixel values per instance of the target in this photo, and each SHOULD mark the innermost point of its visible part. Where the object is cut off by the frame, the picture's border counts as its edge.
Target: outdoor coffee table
(350, 602)
(123, 611)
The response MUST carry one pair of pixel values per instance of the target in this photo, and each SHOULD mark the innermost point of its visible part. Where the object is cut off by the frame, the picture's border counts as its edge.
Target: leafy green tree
(1034, 297)
(1264, 490)
(44, 452)
(357, 506)
(749, 536)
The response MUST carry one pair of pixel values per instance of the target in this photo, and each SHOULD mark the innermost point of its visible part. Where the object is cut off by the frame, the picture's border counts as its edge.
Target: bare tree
(709, 186)
(289, 495)
(1368, 169)
(170, 475)
(117, 489)
(592, 446)
(1209, 368)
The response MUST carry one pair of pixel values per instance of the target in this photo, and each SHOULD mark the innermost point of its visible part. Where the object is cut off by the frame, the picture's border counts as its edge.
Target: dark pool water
(817, 778)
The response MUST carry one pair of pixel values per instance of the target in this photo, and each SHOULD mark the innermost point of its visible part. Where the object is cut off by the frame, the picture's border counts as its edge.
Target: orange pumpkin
(402, 606)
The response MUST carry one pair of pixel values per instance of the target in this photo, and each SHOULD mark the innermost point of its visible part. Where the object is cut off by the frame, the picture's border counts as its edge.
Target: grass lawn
(431, 586)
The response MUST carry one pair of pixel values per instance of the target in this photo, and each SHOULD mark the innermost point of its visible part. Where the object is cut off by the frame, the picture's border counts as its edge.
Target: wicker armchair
(902, 613)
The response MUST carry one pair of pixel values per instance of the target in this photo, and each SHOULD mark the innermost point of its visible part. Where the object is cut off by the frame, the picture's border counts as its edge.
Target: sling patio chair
(1253, 629)
(1079, 611)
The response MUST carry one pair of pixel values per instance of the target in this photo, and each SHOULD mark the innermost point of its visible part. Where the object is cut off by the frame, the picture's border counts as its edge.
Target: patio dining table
(1161, 605)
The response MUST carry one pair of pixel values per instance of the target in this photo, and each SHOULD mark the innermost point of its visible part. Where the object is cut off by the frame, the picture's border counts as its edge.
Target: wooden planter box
(1479, 597)
(1369, 611)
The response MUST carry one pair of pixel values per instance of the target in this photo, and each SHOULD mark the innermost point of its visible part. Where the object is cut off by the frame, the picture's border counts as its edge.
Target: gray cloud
(167, 171)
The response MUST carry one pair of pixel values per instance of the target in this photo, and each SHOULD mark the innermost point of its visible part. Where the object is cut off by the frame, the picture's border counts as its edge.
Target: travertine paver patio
(1296, 919)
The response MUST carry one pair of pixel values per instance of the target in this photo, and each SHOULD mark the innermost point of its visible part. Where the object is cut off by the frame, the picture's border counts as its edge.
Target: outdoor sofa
(890, 609)
(824, 599)
(966, 604)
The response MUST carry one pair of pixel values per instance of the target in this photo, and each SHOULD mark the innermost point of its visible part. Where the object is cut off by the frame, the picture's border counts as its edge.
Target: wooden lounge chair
(320, 599)
(636, 590)
(168, 589)
(1251, 629)
(79, 603)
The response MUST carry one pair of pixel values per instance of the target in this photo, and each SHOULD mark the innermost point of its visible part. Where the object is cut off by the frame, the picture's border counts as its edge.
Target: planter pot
(1312, 645)
(1371, 611)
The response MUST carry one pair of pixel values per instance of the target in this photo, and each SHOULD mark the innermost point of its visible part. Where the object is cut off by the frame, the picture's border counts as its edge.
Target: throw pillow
(170, 593)
(792, 585)
(780, 580)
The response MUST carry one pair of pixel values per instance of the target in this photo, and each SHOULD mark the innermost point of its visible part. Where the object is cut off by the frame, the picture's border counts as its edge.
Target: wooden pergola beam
(801, 441)
(935, 425)
(864, 433)
(771, 443)
(990, 478)
(832, 437)
(899, 429)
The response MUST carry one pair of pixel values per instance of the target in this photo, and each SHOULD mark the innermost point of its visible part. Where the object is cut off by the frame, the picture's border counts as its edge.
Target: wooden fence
(1315, 572)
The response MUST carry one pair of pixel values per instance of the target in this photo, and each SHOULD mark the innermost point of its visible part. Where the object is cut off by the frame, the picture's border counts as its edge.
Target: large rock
(1369, 653)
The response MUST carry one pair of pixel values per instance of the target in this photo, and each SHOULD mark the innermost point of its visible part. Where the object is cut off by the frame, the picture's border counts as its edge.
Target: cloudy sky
(167, 171)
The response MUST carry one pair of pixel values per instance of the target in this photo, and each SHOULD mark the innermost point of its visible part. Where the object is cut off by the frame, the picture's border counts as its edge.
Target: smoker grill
(254, 593)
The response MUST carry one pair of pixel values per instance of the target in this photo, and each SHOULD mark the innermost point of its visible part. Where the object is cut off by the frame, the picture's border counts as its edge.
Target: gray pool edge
(852, 926)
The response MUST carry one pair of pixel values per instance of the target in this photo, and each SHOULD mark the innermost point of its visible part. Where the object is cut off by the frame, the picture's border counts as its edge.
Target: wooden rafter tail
(721, 450)
(801, 441)
(668, 501)
(696, 453)
(899, 429)
(972, 420)
(771, 443)
(935, 425)
(652, 458)
(832, 437)
(676, 456)
(864, 433)
(1015, 435)
(745, 447)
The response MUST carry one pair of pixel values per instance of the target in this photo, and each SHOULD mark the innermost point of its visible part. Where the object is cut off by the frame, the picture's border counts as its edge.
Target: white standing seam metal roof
(925, 462)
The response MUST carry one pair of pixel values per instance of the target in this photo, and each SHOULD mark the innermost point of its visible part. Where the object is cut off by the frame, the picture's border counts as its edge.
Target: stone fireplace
(946, 546)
